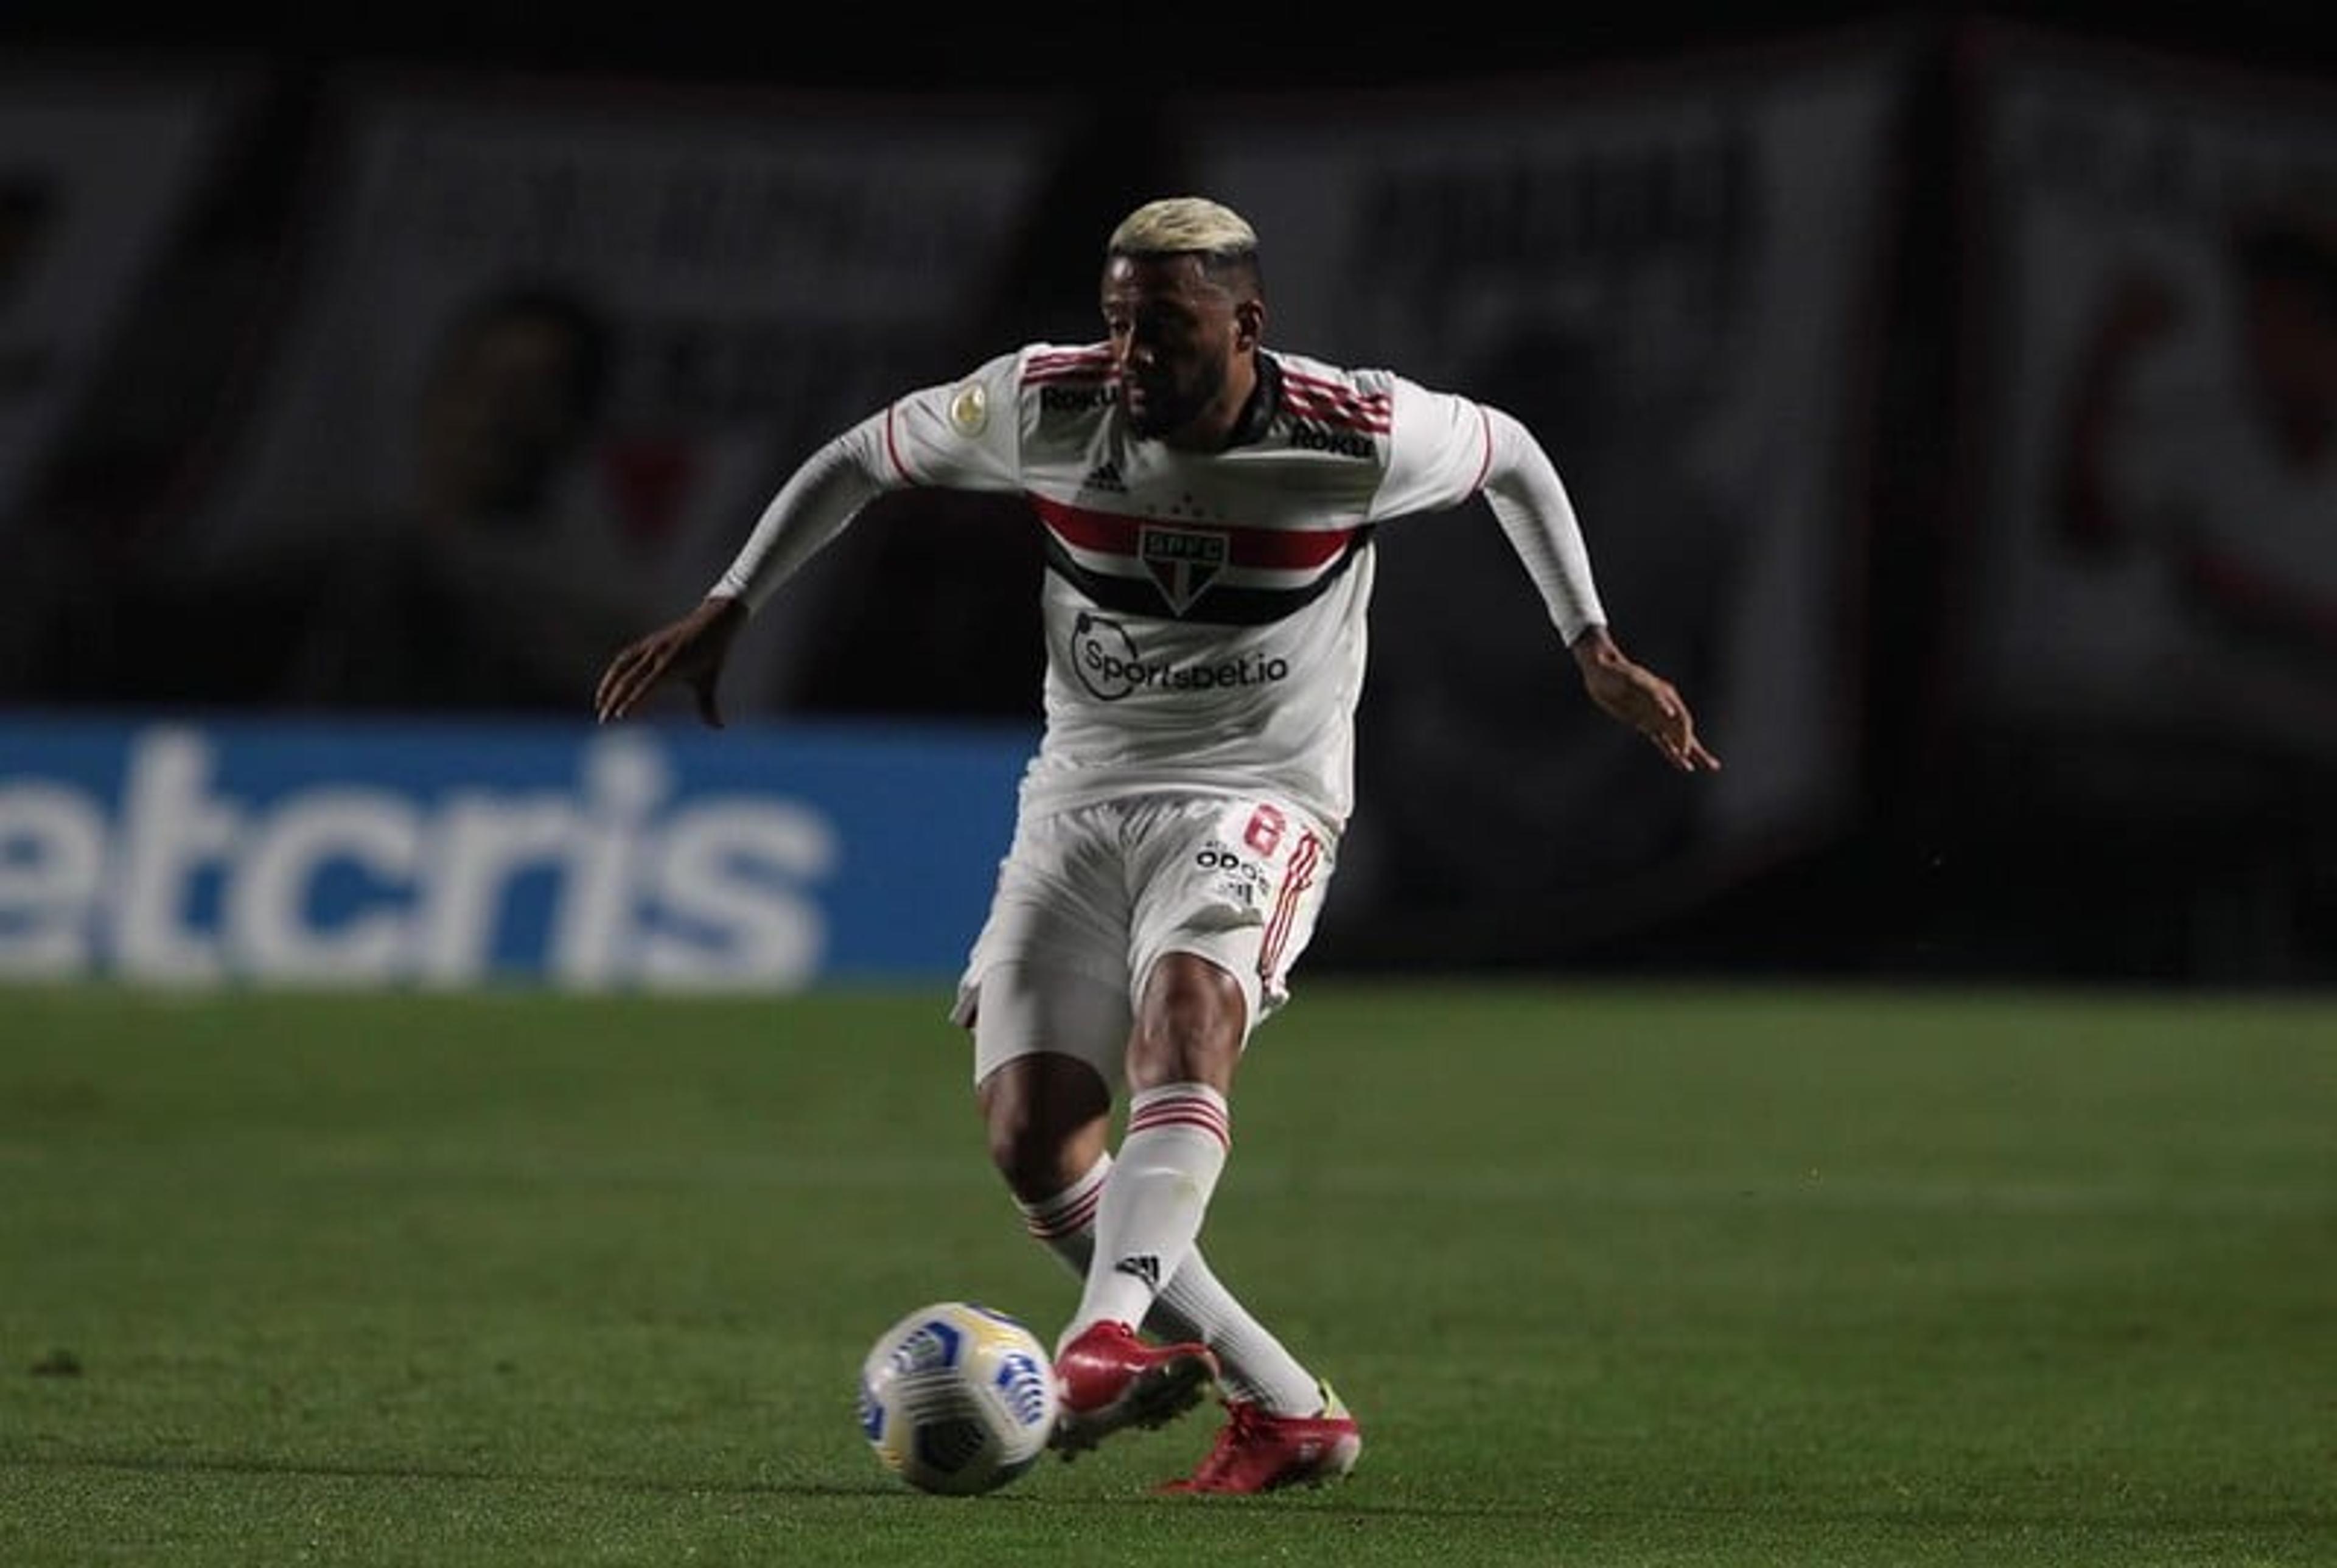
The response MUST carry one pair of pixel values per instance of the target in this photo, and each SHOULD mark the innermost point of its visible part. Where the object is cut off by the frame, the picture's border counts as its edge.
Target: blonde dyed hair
(1182, 225)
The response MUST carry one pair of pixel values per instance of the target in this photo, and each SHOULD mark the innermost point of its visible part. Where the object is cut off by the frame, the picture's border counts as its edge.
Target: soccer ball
(958, 1398)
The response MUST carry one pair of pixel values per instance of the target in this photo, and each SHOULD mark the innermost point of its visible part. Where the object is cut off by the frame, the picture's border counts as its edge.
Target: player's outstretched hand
(691, 650)
(1638, 697)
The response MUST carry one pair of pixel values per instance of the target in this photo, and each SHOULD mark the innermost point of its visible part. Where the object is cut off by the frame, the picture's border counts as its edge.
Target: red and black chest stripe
(1206, 570)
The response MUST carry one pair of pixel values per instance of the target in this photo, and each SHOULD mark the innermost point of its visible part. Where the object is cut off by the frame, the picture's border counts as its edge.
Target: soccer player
(1207, 506)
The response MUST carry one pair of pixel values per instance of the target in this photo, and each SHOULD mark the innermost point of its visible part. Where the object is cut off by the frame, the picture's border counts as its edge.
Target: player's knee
(1025, 1151)
(1045, 1128)
(1030, 1161)
(1190, 1027)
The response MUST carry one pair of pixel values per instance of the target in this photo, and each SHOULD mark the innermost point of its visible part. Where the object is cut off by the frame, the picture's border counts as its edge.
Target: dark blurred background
(1951, 396)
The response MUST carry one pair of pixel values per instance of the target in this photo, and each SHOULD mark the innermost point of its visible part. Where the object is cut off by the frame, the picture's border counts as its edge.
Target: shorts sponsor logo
(1109, 664)
(1240, 880)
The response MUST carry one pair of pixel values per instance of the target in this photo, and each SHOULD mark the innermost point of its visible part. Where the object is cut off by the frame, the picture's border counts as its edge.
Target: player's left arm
(1446, 448)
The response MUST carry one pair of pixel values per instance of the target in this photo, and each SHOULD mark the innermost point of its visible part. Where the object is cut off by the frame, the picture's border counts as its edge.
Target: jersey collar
(1257, 414)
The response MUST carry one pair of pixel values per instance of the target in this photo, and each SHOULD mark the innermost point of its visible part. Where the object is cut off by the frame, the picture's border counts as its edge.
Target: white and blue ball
(958, 1398)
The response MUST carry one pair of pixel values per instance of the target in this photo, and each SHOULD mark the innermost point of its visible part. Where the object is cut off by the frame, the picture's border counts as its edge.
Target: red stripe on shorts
(1296, 880)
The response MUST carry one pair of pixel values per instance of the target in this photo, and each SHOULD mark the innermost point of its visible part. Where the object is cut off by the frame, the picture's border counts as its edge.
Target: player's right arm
(960, 435)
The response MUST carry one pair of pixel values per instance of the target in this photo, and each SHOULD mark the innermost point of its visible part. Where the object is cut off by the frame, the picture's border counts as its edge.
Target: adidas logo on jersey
(1105, 475)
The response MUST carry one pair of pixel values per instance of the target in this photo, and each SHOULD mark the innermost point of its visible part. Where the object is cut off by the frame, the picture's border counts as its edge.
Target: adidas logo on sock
(1143, 1266)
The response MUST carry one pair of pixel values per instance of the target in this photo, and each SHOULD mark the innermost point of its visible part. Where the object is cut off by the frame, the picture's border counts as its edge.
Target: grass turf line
(1611, 1276)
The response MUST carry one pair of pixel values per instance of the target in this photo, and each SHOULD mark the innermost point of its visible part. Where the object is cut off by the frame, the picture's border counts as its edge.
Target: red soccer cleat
(1111, 1381)
(1259, 1452)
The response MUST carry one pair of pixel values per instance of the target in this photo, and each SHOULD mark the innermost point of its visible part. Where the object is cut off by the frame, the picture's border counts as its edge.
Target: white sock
(1154, 1199)
(1065, 1223)
(1194, 1305)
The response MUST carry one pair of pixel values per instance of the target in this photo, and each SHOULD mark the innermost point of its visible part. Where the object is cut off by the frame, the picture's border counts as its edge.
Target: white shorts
(1089, 900)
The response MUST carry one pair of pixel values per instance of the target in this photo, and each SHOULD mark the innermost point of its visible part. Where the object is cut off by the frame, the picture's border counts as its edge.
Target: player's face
(1174, 335)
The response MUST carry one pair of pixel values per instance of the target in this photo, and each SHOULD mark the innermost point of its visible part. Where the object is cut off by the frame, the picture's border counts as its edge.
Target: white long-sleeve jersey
(1205, 613)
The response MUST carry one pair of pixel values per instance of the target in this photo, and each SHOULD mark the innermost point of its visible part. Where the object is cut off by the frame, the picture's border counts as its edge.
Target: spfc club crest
(1183, 560)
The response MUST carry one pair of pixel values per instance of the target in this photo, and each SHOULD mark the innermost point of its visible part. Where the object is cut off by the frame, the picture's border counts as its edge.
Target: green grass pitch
(1694, 1276)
